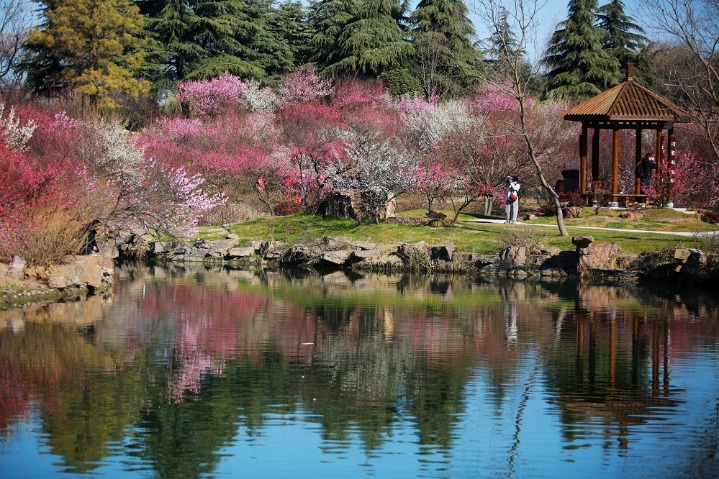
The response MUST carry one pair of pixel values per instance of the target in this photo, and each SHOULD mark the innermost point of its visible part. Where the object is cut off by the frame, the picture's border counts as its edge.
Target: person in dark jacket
(647, 166)
(92, 231)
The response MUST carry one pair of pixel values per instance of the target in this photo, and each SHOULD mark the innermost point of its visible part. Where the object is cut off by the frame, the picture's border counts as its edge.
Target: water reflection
(197, 372)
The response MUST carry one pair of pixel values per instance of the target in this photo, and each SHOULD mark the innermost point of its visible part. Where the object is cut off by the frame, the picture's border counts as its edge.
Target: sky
(553, 12)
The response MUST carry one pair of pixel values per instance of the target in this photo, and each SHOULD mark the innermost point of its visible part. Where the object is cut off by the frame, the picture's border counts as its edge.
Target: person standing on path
(512, 199)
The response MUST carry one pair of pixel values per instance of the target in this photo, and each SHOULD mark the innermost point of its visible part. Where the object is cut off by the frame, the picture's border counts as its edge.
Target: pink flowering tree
(354, 94)
(433, 181)
(230, 151)
(213, 97)
(42, 203)
(170, 201)
(676, 183)
(316, 149)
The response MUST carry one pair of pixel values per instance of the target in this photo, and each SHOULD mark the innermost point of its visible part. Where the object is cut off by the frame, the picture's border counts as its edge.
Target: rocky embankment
(588, 260)
(76, 278)
(92, 274)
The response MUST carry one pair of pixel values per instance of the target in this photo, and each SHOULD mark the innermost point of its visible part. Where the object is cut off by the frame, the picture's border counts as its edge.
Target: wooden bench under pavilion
(626, 106)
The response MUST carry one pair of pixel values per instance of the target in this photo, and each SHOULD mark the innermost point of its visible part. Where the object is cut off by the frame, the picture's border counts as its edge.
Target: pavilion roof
(627, 102)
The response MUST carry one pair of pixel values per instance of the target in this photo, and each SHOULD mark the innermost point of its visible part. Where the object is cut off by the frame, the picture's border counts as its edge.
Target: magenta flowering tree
(316, 148)
(355, 94)
(213, 97)
(680, 179)
(230, 151)
(42, 203)
(433, 181)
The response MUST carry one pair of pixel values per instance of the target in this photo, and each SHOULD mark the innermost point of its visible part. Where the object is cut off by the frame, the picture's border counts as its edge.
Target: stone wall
(591, 260)
(75, 278)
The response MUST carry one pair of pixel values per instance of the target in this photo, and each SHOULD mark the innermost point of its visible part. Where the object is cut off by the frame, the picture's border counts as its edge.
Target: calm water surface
(186, 373)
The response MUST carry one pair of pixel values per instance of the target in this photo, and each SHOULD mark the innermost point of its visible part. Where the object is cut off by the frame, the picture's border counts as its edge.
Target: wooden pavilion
(626, 106)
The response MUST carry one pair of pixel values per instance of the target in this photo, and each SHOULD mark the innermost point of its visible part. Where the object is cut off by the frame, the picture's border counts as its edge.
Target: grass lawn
(469, 234)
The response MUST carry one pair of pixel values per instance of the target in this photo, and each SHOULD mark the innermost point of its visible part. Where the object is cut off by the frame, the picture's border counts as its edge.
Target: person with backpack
(512, 199)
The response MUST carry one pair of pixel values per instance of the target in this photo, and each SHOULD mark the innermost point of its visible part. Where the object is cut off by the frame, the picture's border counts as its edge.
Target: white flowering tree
(138, 192)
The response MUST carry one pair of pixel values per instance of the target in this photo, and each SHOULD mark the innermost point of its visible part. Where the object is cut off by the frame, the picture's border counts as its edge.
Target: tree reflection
(193, 361)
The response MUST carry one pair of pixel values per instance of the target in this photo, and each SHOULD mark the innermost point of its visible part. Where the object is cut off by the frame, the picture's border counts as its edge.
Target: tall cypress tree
(445, 55)
(579, 66)
(328, 19)
(291, 23)
(206, 38)
(623, 39)
(369, 39)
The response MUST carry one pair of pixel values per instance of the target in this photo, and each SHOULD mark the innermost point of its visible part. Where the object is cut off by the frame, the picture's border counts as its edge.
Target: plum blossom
(16, 135)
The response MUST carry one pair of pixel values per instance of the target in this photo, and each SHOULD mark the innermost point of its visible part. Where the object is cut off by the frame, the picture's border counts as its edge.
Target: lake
(213, 373)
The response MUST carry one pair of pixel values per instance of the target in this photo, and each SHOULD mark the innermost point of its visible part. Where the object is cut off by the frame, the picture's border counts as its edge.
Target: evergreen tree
(272, 51)
(579, 66)
(173, 53)
(328, 19)
(206, 38)
(362, 37)
(291, 23)
(225, 33)
(444, 52)
(91, 47)
(621, 40)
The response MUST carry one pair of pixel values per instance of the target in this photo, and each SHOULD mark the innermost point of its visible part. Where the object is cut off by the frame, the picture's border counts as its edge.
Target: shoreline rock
(83, 276)
(589, 261)
(76, 278)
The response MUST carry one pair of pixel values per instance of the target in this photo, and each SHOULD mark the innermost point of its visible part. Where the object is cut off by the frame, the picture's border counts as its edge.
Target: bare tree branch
(691, 77)
(513, 78)
(15, 20)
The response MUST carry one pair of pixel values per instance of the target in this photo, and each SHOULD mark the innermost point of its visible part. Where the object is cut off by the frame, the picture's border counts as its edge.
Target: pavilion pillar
(671, 162)
(637, 159)
(615, 164)
(583, 160)
(595, 165)
(658, 152)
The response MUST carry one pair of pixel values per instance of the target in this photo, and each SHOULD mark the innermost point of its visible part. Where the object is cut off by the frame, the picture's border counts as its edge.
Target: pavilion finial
(630, 71)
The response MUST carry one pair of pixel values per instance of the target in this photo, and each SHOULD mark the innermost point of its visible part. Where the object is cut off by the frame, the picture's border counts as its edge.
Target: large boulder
(360, 205)
(86, 270)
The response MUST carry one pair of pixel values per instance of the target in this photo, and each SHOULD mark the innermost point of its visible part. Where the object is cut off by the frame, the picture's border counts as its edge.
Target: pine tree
(91, 47)
(369, 39)
(173, 52)
(620, 41)
(580, 68)
(290, 22)
(272, 51)
(207, 38)
(445, 55)
(225, 32)
(328, 19)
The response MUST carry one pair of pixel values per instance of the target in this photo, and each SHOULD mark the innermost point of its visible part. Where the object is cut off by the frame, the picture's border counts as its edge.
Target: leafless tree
(15, 19)
(515, 75)
(691, 27)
